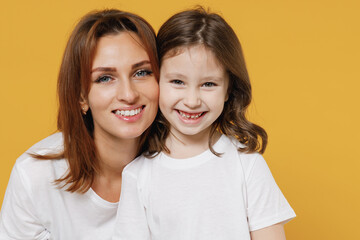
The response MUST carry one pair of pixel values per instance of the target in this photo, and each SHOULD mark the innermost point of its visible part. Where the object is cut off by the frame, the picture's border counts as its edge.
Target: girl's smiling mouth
(190, 116)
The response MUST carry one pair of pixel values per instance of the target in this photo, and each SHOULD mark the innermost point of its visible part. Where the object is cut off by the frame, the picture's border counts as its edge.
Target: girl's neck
(114, 155)
(186, 146)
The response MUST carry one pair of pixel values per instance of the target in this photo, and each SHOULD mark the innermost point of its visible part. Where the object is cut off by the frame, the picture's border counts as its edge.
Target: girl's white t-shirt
(200, 198)
(35, 208)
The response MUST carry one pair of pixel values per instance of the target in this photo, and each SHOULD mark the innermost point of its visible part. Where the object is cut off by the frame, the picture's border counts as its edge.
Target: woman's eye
(209, 84)
(143, 73)
(177, 82)
(103, 79)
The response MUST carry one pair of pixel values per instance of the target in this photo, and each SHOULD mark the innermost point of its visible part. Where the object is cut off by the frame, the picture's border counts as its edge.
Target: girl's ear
(228, 91)
(83, 104)
(227, 96)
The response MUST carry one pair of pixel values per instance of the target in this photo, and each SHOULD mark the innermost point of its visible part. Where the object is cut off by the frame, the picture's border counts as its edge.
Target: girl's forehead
(173, 52)
(181, 49)
(193, 54)
(196, 63)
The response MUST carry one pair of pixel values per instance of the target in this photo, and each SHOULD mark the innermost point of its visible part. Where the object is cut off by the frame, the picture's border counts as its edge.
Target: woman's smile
(124, 86)
(129, 115)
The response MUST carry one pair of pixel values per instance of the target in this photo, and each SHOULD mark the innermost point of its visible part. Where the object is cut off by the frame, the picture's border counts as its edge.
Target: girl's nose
(192, 98)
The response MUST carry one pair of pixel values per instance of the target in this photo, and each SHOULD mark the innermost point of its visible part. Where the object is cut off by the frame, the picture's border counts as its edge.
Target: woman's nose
(127, 92)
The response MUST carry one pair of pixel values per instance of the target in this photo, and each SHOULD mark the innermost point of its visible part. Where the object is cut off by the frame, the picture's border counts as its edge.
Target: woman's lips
(127, 112)
(129, 115)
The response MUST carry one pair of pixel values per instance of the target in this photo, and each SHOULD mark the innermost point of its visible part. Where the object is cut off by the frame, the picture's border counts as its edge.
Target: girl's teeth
(188, 116)
(128, 113)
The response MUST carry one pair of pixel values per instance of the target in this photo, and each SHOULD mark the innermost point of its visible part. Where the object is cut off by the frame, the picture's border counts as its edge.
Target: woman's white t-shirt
(35, 208)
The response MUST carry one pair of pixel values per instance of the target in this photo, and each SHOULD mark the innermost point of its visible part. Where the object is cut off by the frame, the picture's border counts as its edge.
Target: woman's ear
(83, 104)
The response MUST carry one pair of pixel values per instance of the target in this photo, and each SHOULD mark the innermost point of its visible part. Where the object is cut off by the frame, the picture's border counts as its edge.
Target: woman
(67, 186)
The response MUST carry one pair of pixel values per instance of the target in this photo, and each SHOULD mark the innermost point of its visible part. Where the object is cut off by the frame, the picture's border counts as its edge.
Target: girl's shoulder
(138, 166)
(232, 142)
(247, 160)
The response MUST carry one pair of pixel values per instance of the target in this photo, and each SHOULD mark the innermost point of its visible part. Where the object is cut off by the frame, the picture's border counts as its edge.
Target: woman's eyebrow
(139, 64)
(104, 69)
(112, 69)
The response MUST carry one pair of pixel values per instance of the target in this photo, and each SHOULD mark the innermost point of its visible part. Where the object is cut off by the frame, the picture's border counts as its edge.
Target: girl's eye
(143, 73)
(177, 82)
(209, 84)
(103, 79)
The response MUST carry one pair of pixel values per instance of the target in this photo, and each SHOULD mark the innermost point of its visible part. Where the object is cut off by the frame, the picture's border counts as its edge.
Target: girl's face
(193, 89)
(123, 96)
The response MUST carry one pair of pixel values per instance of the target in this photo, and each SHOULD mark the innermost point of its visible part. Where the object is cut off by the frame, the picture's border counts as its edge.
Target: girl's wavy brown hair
(198, 26)
(74, 83)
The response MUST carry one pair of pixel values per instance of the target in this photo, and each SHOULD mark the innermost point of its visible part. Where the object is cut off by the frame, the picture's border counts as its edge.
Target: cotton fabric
(203, 197)
(35, 208)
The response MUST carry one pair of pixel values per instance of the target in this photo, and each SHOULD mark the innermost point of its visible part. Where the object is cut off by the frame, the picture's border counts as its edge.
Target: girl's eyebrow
(213, 78)
(175, 75)
(113, 69)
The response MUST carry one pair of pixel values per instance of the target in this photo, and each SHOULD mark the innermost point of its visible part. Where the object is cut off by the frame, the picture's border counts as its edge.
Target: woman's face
(123, 96)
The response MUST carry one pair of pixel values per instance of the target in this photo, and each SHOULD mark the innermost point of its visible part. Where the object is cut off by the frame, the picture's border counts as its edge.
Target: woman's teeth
(188, 116)
(128, 113)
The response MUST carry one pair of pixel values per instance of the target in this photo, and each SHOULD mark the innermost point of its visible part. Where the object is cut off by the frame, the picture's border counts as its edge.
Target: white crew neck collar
(99, 200)
(199, 159)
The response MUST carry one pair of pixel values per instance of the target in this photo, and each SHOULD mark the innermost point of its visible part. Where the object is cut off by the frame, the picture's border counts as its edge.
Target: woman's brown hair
(197, 26)
(74, 85)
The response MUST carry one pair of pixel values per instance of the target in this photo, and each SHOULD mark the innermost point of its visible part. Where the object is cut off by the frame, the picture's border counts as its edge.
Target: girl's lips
(190, 118)
(129, 114)
(190, 115)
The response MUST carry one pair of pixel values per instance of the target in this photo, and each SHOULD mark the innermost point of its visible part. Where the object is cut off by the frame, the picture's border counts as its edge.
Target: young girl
(205, 178)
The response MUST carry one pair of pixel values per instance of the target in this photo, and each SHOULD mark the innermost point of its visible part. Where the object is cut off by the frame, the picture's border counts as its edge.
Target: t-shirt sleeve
(131, 223)
(18, 215)
(266, 205)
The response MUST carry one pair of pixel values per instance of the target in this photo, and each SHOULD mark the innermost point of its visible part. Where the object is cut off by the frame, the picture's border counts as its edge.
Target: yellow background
(303, 60)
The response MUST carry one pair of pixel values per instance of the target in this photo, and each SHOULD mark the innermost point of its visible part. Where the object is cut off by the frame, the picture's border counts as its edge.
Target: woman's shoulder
(49, 144)
(32, 168)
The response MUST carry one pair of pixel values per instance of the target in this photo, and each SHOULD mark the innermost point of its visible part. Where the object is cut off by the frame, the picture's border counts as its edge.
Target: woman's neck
(114, 155)
(186, 146)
